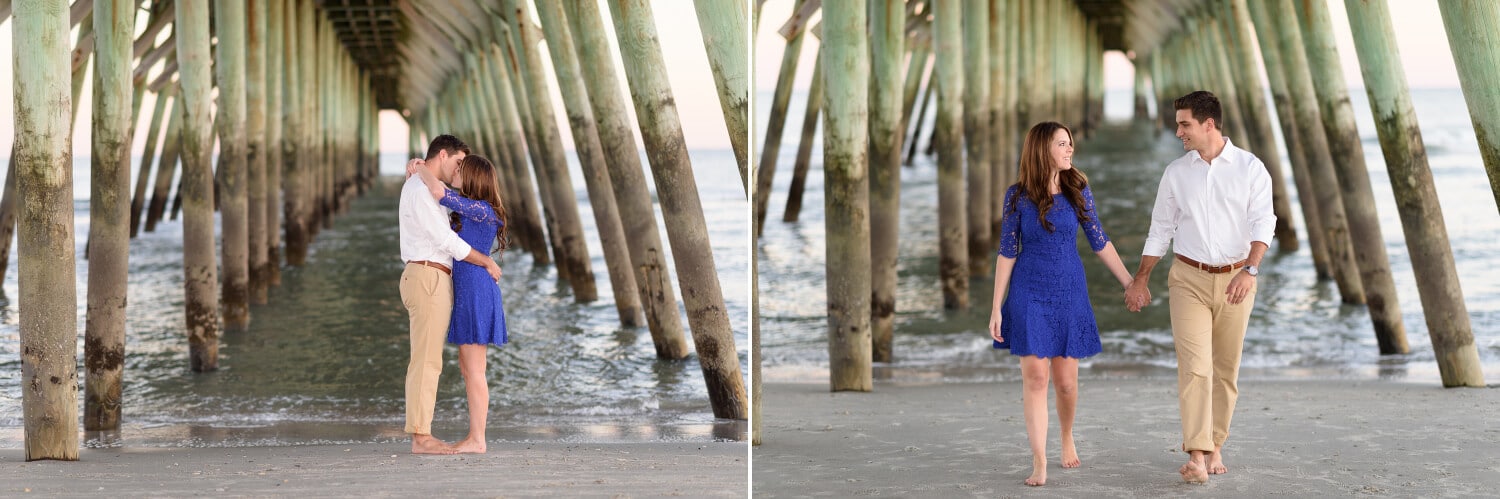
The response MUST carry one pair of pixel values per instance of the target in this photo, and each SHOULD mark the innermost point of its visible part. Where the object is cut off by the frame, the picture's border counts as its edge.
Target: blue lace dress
(1046, 312)
(478, 314)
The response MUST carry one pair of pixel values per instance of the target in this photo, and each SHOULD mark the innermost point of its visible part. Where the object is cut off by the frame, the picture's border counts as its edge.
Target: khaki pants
(428, 295)
(1209, 333)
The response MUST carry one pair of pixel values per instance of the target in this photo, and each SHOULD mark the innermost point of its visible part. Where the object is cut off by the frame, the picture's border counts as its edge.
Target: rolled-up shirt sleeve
(1163, 221)
(1262, 215)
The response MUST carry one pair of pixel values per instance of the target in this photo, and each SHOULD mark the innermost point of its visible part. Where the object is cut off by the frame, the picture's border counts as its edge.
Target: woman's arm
(418, 166)
(1116, 266)
(1003, 267)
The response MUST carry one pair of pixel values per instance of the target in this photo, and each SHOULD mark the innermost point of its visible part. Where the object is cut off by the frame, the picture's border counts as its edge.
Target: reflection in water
(1299, 327)
(325, 359)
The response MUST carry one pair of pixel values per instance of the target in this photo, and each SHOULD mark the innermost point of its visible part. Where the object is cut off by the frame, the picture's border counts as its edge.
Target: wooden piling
(109, 237)
(276, 67)
(148, 157)
(996, 119)
(1237, 30)
(1416, 196)
(1142, 110)
(166, 170)
(1296, 153)
(776, 124)
(671, 168)
(804, 147)
(916, 131)
(234, 203)
(1353, 177)
(596, 175)
(722, 24)
(886, 37)
(633, 197)
(295, 141)
(510, 126)
(952, 196)
(976, 96)
(200, 270)
(45, 253)
(580, 274)
(258, 283)
(1476, 51)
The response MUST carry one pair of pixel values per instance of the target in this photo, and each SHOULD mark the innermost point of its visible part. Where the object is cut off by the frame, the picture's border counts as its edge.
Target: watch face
(1252, 270)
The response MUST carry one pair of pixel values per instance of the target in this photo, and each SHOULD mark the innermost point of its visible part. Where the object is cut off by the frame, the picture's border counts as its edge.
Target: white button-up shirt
(425, 234)
(1211, 211)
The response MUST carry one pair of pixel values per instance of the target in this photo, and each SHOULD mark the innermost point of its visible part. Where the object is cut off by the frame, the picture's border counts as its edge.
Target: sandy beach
(1289, 438)
(704, 469)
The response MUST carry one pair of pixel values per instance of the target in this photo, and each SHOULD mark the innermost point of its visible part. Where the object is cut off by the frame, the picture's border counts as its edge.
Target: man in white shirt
(429, 247)
(1213, 209)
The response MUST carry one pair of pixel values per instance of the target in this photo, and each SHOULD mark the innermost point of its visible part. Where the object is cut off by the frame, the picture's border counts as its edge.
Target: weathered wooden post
(999, 130)
(1257, 124)
(887, 35)
(953, 233)
(509, 67)
(804, 147)
(1296, 153)
(580, 274)
(672, 170)
(776, 124)
(916, 131)
(976, 96)
(295, 142)
(166, 169)
(722, 23)
(109, 238)
(8, 209)
(1476, 51)
(148, 156)
(229, 64)
(509, 124)
(258, 284)
(1010, 110)
(1142, 110)
(642, 238)
(1416, 196)
(919, 48)
(45, 255)
(596, 175)
(202, 296)
(1353, 177)
(276, 67)
(846, 55)
(1299, 82)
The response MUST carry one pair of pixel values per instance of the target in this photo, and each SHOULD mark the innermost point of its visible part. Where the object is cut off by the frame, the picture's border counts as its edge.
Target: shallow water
(1299, 327)
(325, 359)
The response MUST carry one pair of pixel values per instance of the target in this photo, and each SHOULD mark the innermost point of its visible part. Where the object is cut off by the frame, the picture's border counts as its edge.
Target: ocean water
(325, 360)
(1299, 327)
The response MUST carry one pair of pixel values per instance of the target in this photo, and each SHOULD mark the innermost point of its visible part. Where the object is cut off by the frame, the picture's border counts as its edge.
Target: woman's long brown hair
(1036, 174)
(480, 184)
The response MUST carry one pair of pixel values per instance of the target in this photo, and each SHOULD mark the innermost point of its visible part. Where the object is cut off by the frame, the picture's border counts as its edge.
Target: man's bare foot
(470, 445)
(1038, 472)
(1216, 462)
(426, 444)
(1069, 453)
(1193, 471)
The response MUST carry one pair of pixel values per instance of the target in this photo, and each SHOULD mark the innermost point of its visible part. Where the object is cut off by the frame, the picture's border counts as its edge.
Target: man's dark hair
(447, 143)
(1204, 105)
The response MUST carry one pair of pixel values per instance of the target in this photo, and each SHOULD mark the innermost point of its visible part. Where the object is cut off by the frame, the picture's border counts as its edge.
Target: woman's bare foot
(1193, 471)
(1038, 472)
(1069, 453)
(426, 444)
(1216, 462)
(470, 445)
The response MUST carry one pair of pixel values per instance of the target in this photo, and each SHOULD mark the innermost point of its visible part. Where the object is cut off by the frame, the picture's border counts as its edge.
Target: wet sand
(1289, 438)
(712, 469)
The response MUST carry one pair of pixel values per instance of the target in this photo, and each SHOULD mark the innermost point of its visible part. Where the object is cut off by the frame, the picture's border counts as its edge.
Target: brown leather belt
(435, 265)
(1210, 268)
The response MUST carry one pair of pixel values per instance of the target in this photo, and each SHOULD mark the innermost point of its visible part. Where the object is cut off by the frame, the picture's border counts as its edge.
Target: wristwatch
(1252, 270)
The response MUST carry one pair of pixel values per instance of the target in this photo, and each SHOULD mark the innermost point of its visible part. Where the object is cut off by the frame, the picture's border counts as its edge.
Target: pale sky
(687, 68)
(1419, 36)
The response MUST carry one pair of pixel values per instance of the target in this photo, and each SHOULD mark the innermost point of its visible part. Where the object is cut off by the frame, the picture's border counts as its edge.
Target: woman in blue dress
(1046, 318)
(478, 315)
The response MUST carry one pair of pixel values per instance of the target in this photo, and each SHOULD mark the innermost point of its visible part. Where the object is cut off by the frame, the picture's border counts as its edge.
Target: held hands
(1137, 295)
(1239, 287)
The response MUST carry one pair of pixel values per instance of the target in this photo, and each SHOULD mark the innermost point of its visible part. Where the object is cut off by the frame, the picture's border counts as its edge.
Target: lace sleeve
(1093, 229)
(471, 209)
(1010, 225)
